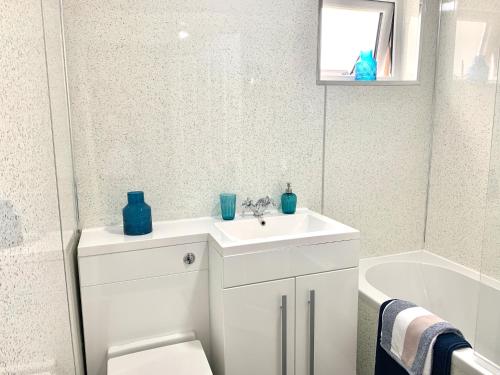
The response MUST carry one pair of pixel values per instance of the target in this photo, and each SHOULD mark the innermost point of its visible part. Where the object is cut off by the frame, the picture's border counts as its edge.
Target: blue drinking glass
(228, 205)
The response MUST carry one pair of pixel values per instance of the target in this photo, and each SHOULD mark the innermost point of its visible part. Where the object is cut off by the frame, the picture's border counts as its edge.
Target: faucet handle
(247, 206)
(247, 203)
(271, 201)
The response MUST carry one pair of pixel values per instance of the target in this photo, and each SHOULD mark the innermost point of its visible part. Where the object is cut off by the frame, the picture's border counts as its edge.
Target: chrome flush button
(189, 258)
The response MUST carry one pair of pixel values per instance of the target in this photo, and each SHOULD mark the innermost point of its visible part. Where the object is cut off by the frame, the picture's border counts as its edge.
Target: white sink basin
(275, 226)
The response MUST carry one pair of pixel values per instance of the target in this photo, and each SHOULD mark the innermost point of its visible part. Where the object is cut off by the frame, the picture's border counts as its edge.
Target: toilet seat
(186, 358)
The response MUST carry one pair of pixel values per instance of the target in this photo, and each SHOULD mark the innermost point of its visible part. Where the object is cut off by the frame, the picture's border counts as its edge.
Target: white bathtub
(443, 287)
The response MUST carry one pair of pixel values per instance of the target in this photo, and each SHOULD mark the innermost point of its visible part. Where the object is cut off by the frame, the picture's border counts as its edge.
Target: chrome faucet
(259, 208)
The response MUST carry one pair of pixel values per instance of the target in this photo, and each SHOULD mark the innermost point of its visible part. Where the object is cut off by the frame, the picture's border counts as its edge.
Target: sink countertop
(105, 240)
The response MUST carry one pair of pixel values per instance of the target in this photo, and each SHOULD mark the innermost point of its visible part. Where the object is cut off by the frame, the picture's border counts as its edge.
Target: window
(348, 27)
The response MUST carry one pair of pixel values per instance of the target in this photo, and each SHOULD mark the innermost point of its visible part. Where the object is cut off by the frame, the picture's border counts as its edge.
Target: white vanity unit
(284, 301)
(274, 296)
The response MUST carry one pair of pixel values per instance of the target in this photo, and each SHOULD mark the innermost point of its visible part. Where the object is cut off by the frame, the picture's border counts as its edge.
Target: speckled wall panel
(187, 99)
(463, 121)
(34, 334)
(377, 156)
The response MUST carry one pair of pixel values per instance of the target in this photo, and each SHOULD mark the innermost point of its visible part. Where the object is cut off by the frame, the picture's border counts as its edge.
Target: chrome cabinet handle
(312, 312)
(283, 335)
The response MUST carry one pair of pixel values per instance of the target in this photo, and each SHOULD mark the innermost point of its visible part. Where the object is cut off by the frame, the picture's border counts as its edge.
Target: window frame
(384, 32)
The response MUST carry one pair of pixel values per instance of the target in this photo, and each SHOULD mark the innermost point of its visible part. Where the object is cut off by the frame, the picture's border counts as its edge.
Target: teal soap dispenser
(288, 200)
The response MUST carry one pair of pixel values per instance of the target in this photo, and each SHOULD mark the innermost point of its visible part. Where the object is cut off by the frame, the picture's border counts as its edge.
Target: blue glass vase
(137, 218)
(366, 67)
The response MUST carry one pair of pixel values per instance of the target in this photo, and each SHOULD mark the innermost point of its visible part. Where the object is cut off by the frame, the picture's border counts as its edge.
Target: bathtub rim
(464, 359)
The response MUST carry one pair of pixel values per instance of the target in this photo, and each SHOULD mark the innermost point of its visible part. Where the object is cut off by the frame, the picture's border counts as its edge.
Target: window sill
(367, 83)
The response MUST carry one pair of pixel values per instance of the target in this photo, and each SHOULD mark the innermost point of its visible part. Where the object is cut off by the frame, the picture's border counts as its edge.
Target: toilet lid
(186, 358)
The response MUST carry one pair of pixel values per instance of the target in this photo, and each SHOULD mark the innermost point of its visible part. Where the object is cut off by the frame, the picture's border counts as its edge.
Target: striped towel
(408, 334)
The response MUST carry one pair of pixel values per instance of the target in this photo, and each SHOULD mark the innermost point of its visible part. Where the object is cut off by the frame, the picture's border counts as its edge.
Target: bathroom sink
(273, 226)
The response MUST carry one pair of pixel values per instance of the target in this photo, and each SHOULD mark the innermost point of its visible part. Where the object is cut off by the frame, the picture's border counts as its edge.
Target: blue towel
(443, 349)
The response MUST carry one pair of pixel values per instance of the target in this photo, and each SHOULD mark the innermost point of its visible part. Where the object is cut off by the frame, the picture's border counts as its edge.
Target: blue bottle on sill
(288, 200)
(366, 67)
(137, 218)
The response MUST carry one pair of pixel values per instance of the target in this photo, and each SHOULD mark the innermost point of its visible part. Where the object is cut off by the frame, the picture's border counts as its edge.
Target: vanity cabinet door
(326, 323)
(259, 332)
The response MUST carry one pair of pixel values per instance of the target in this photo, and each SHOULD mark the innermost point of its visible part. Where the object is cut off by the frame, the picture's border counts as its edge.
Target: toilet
(179, 354)
(185, 358)
(145, 309)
